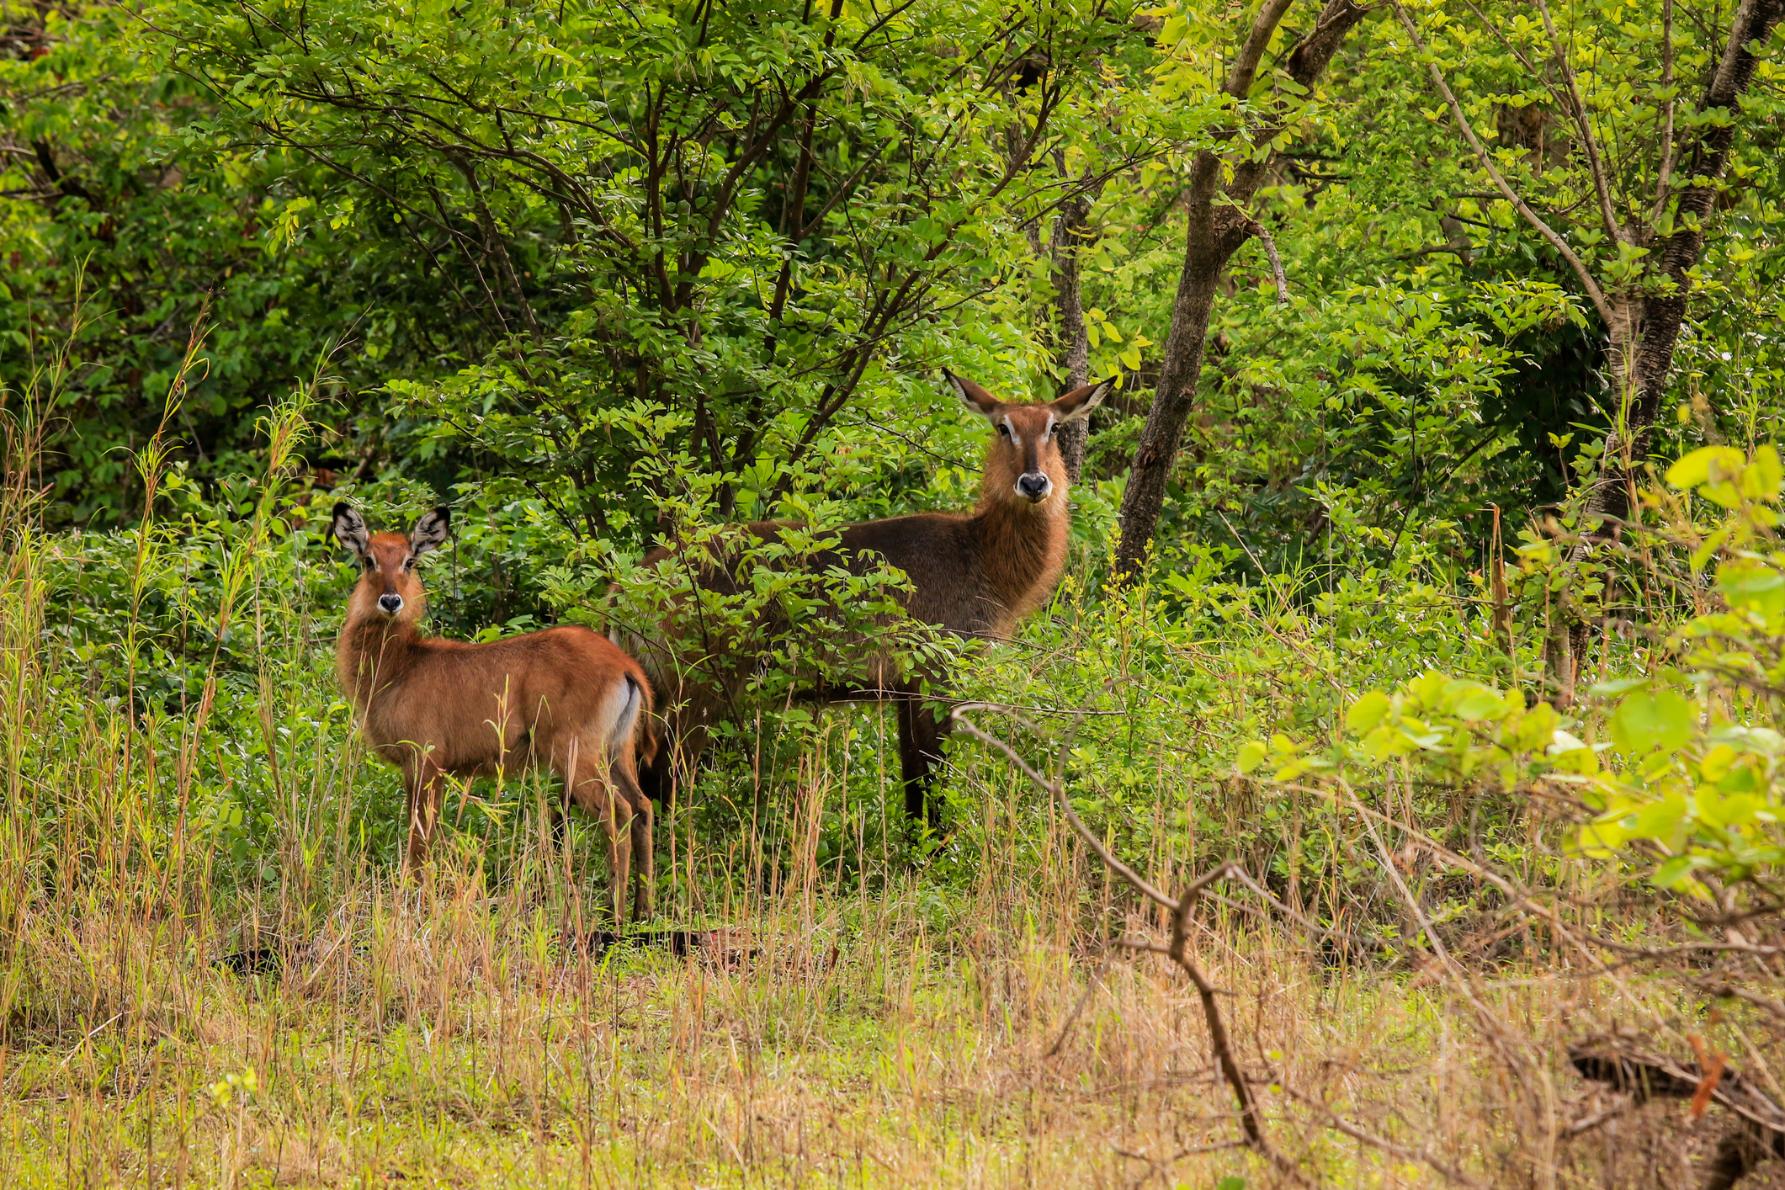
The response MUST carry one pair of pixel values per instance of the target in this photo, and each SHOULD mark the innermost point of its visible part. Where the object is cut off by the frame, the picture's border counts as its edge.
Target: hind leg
(644, 857)
(921, 733)
(654, 776)
(596, 795)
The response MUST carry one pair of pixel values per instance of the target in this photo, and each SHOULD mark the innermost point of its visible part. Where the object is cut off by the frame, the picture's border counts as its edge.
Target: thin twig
(1664, 174)
(1134, 879)
(1595, 294)
(1589, 143)
(1270, 249)
(1182, 907)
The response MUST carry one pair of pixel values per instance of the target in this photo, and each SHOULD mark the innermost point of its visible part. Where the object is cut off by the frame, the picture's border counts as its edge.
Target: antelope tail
(633, 725)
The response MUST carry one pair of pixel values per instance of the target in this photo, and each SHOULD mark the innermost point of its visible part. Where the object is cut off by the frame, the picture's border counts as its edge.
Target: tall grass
(211, 972)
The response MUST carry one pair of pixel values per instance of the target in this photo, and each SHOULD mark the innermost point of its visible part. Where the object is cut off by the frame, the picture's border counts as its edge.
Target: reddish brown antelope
(974, 574)
(566, 698)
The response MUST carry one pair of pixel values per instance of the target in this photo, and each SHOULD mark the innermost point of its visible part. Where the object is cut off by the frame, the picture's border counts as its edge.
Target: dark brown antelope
(974, 574)
(567, 699)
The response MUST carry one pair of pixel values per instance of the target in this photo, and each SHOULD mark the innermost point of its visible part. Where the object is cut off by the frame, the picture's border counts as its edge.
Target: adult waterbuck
(567, 699)
(973, 574)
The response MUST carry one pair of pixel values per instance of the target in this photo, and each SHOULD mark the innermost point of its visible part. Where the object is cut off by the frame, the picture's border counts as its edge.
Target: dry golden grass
(454, 1034)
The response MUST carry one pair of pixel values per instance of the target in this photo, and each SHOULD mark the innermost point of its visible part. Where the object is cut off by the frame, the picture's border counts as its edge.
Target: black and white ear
(430, 533)
(350, 528)
(973, 396)
(1077, 404)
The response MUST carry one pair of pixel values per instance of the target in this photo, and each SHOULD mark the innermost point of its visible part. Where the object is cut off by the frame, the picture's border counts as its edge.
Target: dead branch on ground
(1182, 908)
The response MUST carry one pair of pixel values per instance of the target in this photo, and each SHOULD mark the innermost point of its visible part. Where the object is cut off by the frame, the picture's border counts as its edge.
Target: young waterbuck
(974, 574)
(567, 699)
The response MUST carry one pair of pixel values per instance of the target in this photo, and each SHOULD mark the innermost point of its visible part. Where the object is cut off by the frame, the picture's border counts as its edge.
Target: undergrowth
(212, 972)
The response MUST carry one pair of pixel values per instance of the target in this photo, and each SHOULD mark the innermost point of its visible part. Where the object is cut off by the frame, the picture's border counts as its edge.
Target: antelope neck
(374, 649)
(380, 628)
(1024, 546)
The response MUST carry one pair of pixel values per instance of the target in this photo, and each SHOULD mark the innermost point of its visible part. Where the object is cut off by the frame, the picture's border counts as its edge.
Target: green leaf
(1754, 586)
(1764, 475)
(1670, 873)
(1703, 465)
(1653, 721)
(1367, 712)
(1251, 755)
(1479, 702)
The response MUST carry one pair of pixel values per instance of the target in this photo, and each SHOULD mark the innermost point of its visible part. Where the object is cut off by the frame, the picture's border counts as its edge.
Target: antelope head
(1023, 464)
(388, 587)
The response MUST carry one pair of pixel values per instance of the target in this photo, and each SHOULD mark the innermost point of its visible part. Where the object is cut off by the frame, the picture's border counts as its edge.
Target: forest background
(1425, 618)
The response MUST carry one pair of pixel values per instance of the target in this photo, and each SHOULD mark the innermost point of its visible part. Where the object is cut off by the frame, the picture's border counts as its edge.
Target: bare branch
(1270, 249)
(1664, 176)
(1132, 878)
(1594, 293)
(1589, 143)
(1251, 1119)
(1339, 1123)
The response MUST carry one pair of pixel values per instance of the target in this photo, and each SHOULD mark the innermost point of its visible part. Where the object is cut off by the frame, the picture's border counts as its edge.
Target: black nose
(1033, 485)
(392, 604)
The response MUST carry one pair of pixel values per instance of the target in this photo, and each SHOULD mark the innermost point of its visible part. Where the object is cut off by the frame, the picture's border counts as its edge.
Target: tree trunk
(1071, 230)
(1182, 368)
(1642, 347)
(1218, 226)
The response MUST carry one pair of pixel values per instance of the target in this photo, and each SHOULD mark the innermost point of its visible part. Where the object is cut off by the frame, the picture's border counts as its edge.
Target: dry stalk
(1182, 907)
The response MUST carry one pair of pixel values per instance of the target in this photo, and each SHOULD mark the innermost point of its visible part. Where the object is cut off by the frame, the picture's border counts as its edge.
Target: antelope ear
(1077, 404)
(430, 531)
(973, 396)
(350, 528)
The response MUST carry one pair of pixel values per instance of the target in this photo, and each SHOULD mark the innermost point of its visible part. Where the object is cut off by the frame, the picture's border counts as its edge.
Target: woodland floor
(449, 1038)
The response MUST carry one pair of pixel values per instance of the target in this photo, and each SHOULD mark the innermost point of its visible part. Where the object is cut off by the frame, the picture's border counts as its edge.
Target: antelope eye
(1003, 430)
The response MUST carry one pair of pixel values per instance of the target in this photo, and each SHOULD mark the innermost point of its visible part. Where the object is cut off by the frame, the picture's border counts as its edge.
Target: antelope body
(566, 698)
(974, 574)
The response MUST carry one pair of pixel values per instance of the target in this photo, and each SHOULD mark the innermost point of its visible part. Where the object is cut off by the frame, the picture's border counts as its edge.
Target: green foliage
(584, 262)
(730, 225)
(1689, 778)
(604, 277)
(127, 235)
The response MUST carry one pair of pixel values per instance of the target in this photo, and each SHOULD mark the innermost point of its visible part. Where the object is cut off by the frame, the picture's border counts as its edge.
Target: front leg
(921, 733)
(427, 787)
